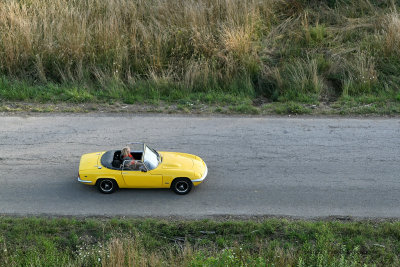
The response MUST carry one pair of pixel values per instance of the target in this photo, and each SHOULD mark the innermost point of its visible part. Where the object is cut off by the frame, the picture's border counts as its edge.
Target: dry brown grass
(392, 33)
(66, 40)
(127, 252)
(236, 46)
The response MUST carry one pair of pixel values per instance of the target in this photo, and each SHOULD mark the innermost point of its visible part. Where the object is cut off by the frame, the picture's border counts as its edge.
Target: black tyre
(107, 186)
(181, 186)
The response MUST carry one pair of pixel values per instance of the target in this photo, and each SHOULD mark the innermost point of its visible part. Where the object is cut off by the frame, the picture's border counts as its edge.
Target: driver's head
(126, 151)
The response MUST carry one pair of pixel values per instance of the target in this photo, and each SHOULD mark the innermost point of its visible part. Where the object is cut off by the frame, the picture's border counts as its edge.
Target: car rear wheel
(107, 186)
(181, 186)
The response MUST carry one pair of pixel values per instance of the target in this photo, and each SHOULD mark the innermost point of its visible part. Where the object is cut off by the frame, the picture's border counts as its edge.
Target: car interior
(117, 160)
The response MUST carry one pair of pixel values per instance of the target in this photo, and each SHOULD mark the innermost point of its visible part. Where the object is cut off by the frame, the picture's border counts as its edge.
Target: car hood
(175, 160)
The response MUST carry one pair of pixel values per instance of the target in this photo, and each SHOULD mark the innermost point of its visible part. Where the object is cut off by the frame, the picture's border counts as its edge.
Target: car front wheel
(182, 186)
(107, 186)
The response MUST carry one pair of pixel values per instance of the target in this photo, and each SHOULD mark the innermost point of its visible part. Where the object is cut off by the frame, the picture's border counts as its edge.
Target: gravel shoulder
(259, 108)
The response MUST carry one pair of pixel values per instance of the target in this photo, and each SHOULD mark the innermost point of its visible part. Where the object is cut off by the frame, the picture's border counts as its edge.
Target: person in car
(126, 155)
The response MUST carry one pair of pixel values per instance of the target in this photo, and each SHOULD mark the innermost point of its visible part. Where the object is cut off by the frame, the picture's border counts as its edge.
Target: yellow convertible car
(151, 169)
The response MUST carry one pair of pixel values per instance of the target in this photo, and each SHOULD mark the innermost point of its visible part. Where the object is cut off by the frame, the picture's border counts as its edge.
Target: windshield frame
(145, 160)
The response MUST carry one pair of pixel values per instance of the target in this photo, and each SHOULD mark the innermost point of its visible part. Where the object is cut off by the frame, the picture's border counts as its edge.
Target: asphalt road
(306, 167)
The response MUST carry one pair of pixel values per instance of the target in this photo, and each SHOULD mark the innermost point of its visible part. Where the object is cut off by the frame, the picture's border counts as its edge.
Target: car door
(136, 176)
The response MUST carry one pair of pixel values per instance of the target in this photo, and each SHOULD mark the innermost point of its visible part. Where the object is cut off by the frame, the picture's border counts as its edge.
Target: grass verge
(154, 242)
(19, 96)
(353, 107)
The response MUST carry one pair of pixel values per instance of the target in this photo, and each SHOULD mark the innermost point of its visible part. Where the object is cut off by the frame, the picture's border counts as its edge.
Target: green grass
(151, 242)
(142, 92)
(290, 108)
(53, 97)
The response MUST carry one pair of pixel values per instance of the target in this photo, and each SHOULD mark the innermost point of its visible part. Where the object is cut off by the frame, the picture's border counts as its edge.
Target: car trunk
(89, 161)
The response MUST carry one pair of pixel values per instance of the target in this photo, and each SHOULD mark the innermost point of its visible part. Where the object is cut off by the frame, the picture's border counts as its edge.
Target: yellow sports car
(148, 169)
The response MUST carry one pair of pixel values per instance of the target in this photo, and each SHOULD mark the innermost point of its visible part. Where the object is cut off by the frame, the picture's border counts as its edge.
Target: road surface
(305, 167)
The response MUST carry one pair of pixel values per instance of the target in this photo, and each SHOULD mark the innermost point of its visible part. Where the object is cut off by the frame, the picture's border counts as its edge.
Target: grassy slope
(297, 53)
(138, 242)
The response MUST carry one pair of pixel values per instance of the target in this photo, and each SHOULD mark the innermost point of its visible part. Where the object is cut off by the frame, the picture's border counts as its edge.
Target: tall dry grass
(128, 252)
(392, 34)
(243, 46)
(74, 40)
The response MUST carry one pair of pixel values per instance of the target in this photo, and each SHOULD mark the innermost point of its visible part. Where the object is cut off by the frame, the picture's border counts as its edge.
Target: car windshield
(136, 147)
(151, 158)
